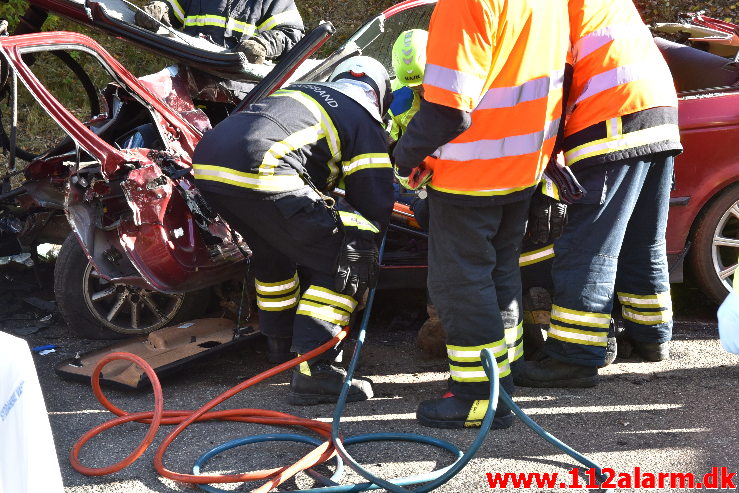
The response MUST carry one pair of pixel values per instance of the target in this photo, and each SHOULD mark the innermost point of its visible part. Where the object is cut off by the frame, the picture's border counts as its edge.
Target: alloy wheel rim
(127, 309)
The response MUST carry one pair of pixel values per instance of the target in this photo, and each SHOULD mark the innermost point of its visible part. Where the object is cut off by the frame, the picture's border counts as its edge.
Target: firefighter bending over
(266, 170)
(261, 29)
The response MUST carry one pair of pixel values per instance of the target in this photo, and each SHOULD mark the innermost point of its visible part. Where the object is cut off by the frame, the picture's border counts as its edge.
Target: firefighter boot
(650, 351)
(319, 381)
(278, 350)
(550, 372)
(431, 337)
(653, 351)
(455, 412)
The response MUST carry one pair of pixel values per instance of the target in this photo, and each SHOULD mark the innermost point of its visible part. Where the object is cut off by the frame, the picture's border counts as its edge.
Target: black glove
(254, 50)
(569, 188)
(547, 219)
(358, 264)
(152, 15)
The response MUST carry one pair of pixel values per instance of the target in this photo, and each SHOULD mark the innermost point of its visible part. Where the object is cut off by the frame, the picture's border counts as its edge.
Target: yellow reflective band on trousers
(366, 161)
(536, 256)
(577, 336)
(649, 309)
(354, 220)
(477, 373)
(577, 317)
(277, 304)
(327, 305)
(472, 353)
(326, 313)
(514, 342)
(562, 319)
(616, 140)
(278, 296)
(476, 414)
(328, 297)
(277, 288)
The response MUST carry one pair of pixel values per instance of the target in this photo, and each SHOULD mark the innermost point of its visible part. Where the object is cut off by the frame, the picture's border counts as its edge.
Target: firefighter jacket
(622, 102)
(406, 103)
(277, 23)
(503, 61)
(308, 129)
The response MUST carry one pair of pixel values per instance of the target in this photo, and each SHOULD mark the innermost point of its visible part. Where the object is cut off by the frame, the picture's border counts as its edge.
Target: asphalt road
(678, 416)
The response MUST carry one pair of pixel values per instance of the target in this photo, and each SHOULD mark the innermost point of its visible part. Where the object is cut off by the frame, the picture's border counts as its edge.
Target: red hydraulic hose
(184, 418)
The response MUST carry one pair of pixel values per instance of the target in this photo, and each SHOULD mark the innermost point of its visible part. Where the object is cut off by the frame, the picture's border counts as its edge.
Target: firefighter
(485, 128)
(268, 170)
(409, 61)
(621, 137)
(261, 29)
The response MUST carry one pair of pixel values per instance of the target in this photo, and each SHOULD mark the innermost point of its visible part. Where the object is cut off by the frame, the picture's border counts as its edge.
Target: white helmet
(370, 71)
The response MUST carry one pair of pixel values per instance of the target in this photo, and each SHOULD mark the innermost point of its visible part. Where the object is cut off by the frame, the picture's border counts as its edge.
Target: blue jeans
(614, 248)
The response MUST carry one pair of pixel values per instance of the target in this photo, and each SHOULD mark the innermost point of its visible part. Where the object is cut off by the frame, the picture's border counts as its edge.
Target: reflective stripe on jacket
(618, 73)
(503, 61)
(305, 128)
(277, 22)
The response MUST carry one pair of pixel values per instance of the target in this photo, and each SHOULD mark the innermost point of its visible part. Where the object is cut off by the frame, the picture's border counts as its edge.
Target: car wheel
(713, 256)
(98, 309)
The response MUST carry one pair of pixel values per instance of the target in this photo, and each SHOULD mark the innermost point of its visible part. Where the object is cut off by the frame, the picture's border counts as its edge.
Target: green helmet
(409, 57)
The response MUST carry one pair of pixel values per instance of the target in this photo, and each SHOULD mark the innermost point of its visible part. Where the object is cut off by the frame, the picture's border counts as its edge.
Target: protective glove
(413, 179)
(3, 27)
(728, 323)
(358, 264)
(152, 15)
(547, 219)
(562, 183)
(255, 51)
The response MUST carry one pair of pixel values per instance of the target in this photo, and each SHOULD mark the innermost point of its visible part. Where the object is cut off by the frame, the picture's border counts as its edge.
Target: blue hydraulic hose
(432, 479)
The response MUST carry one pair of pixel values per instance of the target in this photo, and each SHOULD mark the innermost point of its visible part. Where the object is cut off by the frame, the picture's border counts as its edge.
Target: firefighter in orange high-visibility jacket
(488, 123)
(621, 136)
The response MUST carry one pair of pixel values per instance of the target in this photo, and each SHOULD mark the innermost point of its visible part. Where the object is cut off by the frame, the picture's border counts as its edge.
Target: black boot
(278, 350)
(454, 412)
(650, 351)
(549, 372)
(320, 381)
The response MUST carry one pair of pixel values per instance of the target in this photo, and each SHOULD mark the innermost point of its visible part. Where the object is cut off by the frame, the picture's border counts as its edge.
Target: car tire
(715, 248)
(97, 309)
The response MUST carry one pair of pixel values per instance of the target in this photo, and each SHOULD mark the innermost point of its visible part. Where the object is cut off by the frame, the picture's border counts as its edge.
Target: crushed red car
(140, 245)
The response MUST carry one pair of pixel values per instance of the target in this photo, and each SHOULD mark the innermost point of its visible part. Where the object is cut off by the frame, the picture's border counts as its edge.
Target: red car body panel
(709, 130)
(159, 239)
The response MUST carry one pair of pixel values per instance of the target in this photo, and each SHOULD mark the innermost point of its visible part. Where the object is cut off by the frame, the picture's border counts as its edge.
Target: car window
(375, 38)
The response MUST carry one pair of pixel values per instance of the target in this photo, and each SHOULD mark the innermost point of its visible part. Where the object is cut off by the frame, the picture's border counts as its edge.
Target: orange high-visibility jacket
(503, 60)
(618, 71)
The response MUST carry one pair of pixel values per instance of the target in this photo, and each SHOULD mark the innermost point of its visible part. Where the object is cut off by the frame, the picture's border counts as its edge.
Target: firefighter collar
(360, 92)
